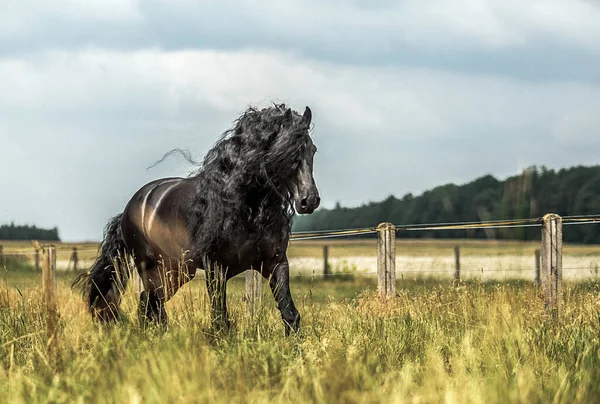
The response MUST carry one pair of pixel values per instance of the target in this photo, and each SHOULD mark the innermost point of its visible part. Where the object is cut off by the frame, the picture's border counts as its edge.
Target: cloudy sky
(406, 95)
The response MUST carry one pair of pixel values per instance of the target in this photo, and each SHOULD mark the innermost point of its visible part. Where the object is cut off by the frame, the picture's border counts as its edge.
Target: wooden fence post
(386, 260)
(325, 260)
(49, 274)
(49, 293)
(253, 290)
(552, 260)
(538, 279)
(138, 284)
(2, 265)
(37, 260)
(457, 263)
(75, 259)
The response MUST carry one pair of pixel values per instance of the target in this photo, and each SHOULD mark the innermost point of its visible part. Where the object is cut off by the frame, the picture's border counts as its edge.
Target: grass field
(481, 341)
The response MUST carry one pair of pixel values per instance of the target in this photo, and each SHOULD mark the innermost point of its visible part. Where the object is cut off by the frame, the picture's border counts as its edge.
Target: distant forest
(533, 193)
(12, 232)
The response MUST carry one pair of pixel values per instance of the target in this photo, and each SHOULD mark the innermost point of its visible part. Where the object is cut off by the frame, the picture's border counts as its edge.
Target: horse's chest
(259, 249)
(250, 252)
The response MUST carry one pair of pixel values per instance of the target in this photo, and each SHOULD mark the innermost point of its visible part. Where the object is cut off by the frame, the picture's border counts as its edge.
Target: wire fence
(489, 224)
(450, 272)
(590, 267)
(87, 253)
(386, 261)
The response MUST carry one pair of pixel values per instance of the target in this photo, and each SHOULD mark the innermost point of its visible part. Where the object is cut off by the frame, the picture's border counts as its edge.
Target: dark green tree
(534, 192)
(27, 232)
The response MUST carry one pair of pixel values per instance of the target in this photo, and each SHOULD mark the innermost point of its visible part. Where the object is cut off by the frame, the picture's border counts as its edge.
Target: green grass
(435, 342)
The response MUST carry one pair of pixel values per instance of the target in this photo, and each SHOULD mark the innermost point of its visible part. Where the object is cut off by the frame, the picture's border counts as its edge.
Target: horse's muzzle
(306, 206)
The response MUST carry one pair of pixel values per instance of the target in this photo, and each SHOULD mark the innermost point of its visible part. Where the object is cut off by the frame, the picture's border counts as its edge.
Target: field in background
(480, 259)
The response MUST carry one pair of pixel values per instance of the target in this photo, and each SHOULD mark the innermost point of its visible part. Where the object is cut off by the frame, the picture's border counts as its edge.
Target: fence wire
(361, 231)
(489, 224)
(425, 271)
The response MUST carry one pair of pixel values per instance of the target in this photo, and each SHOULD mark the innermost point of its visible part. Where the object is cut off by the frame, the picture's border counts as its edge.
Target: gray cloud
(534, 40)
(79, 128)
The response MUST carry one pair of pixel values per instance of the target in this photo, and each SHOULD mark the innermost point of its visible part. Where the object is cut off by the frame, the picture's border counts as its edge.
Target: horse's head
(270, 148)
(303, 186)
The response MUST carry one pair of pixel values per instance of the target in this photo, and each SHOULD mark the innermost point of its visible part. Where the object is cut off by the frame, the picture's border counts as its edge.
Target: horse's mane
(246, 178)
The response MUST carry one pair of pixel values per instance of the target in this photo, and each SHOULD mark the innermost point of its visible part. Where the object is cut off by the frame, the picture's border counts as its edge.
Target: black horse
(232, 215)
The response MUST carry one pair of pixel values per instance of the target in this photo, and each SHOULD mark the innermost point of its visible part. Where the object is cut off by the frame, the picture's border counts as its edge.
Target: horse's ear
(287, 116)
(308, 115)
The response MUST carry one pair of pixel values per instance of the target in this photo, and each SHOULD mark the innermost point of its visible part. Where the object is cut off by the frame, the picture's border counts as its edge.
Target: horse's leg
(216, 283)
(280, 286)
(152, 298)
(161, 282)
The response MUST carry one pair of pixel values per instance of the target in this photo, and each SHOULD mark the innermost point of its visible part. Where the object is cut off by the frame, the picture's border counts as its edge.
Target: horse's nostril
(318, 201)
(304, 202)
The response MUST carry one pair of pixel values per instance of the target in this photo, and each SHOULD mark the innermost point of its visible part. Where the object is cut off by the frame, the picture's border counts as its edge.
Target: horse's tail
(106, 280)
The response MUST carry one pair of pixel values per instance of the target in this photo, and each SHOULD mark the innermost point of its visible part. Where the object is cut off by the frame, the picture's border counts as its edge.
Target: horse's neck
(258, 202)
(264, 205)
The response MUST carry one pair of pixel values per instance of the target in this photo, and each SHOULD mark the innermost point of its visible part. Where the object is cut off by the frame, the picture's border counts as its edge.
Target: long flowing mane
(246, 178)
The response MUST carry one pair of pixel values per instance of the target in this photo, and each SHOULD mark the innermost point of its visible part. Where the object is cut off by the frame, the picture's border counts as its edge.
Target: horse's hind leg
(152, 298)
(152, 309)
(161, 282)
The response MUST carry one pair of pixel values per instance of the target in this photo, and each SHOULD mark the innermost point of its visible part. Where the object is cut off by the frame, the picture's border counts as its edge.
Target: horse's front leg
(216, 283)
(280, 286)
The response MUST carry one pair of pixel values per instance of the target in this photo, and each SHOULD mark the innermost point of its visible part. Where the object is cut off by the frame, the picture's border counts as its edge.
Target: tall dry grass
(478, 342)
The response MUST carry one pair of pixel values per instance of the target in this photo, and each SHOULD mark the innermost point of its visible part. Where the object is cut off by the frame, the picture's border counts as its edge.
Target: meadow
(482, 340)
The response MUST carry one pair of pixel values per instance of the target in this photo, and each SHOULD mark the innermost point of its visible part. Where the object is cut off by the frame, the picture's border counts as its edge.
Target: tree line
(533, 193)
(27, 232)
